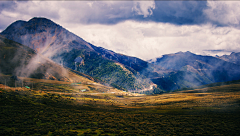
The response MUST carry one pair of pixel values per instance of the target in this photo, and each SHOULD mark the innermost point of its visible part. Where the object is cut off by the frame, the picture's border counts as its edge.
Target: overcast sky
(145, 29)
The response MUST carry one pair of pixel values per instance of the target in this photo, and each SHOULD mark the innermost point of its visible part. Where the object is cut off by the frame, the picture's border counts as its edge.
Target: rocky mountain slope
(19, 60)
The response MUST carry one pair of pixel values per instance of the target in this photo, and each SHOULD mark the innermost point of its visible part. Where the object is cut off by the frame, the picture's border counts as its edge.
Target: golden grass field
(214, 97)
(53, 107)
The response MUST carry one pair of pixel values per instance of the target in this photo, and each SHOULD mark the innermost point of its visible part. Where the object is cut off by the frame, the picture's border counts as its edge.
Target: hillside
(56, 111)
(20, 60)
(20, 66)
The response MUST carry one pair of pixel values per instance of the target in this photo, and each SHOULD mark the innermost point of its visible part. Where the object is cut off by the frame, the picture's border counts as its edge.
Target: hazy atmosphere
(144, 29)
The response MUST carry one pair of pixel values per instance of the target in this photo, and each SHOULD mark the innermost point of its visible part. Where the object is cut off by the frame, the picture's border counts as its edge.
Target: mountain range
(169, 72)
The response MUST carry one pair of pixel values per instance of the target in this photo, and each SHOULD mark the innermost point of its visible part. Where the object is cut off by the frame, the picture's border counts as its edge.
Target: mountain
(233, 58)
(63, 47)
(44, 36)
(189, 70)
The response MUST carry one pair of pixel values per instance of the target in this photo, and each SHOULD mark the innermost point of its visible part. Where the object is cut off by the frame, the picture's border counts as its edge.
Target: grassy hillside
(20, 66)
(107, 71)
(12, 55)
(49, 111)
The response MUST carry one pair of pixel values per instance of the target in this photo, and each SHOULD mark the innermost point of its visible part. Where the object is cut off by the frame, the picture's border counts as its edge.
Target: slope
(22, 66)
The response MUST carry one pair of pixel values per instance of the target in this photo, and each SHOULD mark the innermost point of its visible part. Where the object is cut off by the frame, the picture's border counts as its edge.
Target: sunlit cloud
(150, 39)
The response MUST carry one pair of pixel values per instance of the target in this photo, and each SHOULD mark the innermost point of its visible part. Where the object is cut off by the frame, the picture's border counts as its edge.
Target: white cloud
(149, 40)
(95, 11)
(84, 12)
(224, 12)
(144, 7)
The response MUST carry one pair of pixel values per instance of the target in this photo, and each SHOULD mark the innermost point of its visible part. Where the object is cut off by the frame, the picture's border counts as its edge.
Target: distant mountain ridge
(234, 57)
(190, 70)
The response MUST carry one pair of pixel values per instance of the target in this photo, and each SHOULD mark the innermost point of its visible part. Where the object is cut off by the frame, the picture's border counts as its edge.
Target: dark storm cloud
(179, 12)
(175, 12)
(7, 5)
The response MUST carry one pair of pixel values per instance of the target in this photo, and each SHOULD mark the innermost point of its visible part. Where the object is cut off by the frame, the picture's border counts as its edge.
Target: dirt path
(146, 89)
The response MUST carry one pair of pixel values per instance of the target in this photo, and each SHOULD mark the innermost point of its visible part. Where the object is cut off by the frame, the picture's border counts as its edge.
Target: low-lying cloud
(149, 39)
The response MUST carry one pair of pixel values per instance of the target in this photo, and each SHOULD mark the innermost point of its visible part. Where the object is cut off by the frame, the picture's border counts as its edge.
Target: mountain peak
(40, 20)
(41, 33)
(186, 53)
(43, 22)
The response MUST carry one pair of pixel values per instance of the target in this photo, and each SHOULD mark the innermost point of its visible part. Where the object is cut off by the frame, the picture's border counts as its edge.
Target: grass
(207, 111)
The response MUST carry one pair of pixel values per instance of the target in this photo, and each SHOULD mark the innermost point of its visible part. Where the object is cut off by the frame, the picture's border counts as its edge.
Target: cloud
(144, 8)
(113, 12)
(179, 12)
(225, 13)
(104, 12)
(7, 5)
(92, 12)
(25, 10)
(148, 40)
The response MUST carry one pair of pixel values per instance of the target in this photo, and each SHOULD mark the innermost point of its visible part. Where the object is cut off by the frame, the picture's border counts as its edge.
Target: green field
(50, 111)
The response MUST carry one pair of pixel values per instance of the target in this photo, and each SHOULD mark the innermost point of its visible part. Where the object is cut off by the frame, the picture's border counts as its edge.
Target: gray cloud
(7, 5)
(223, 13)
(179, 12)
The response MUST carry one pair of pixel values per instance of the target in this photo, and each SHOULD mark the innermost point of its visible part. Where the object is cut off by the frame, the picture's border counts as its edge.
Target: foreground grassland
(46, 110)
